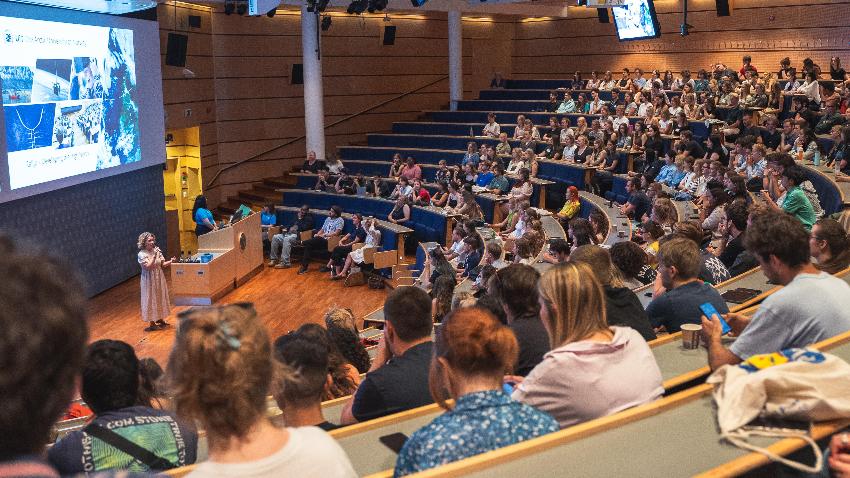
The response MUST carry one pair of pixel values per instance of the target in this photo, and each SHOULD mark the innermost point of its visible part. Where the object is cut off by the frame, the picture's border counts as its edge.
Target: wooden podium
(237, 255)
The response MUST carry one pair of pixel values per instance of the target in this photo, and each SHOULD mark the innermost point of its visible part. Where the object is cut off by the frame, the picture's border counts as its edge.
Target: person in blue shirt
(268, 217)
(332, 227)
(471, 353)
(203, 217)
(677, 175)
(484, 175)
(499, 184)
(471, 157)
(667, 171)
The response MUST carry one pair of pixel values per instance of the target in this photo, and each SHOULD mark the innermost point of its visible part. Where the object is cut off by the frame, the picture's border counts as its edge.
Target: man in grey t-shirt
(813, 305)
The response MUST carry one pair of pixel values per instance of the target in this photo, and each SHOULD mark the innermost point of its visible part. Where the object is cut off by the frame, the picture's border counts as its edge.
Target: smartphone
(710, 312)
(394, 441)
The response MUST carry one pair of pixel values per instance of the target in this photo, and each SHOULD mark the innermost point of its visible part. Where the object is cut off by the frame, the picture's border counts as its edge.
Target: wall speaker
(175, 50)
(603, 15)
(296, 74)
(389, 35)
(724, 7)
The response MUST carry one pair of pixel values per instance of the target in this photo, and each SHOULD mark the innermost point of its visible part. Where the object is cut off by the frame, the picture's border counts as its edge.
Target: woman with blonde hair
(472, 352)
(155, 302)
(593, 369)
(220, 371)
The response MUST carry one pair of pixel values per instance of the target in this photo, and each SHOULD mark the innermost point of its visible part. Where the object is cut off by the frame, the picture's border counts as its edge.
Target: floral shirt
(480, 422)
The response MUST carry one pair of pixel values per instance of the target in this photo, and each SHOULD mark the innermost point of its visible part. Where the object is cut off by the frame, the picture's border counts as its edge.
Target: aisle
(284, 300)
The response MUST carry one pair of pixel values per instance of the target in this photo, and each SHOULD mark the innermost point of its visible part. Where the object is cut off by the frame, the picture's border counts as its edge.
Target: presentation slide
(636, 20)
(72, 101)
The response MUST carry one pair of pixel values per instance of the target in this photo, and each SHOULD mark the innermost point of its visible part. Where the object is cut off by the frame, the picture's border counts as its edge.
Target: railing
(349, 117)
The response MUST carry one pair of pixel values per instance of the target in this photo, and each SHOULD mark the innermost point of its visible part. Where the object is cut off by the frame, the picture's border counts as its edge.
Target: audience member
(125, 434)
(285, 240)
(471, 354)
(151, 386)
(730, 249)
(678, 268)
(830, 246)
(442, 292)
(221, 371)
(632, 264)
(304, 378)
(712, 270)
(515, 287)
(593, 369)
(398, 378)
(812, 306)
(622, 306)
(42, 349)
(332, 227)
(342, 331)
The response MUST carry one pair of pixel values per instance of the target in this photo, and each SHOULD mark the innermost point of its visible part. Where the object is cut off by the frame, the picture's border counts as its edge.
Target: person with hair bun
(472, 353)
(830, 246)
(155, 302)
(593, 369)
(220, 370)
(343, 333)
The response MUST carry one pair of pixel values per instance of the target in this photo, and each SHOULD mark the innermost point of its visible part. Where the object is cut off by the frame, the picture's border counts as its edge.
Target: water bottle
(816, 159)
(471, 134)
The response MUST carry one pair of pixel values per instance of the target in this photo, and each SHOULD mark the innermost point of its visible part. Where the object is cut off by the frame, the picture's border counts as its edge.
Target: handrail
(354, 115)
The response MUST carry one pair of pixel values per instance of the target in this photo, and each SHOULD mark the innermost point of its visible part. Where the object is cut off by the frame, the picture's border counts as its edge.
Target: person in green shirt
(499, 184)
(795, 202)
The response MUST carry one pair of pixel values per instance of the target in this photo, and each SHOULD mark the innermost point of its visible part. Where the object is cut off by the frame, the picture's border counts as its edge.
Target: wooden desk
(237, 255)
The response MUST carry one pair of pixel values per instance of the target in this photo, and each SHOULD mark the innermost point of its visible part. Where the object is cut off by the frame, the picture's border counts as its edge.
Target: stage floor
(283, 299)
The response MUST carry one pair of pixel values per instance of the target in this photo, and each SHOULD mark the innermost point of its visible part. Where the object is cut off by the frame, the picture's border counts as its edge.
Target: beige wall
(766, 29)
(243, 100)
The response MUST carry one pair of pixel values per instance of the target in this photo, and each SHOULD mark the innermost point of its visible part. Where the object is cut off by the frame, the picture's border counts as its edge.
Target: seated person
(594, 369)
(572, 206)
(795, 202)
(421, 196)
(712, 269)
(378, 188)
(221, 369)
(622, 306)
(312, 165)
(811, 307)
(110, 386)
(638, 203)
(341, 251)
(499, 184)
(323, 181)
(559, 251)
(402, 189)
(830, 246)
(473, 249)
(515, 287)
(372, 240)
(484, 175)
(344, 183)
(678, 265)
(491, 129)
(285, 240)
(730, 250)
(42, 359)
(332, 227)
(471, 354)
(632, 264)
(304, 379)
(398, 378)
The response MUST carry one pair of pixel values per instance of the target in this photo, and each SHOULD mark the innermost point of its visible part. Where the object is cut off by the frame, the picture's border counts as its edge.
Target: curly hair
(348, 346)
(628, 257)
(341, 382)
(143, 238)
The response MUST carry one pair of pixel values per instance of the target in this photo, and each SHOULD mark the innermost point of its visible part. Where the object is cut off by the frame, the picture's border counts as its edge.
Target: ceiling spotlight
(357, 7)
(229, 7)
(326, 23)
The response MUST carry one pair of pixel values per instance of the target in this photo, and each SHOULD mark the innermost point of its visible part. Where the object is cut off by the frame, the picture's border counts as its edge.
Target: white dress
(155, 302)
(373, 238)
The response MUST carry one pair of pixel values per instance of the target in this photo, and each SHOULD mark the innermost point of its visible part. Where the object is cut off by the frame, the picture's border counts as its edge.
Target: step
(502, 105)
(540, 84)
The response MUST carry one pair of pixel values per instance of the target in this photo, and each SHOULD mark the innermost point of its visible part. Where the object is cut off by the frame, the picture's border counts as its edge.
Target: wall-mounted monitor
(636, 20)
(81, 98)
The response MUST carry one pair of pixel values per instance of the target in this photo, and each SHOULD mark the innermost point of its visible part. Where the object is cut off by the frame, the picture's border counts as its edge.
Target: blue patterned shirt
(480, 422)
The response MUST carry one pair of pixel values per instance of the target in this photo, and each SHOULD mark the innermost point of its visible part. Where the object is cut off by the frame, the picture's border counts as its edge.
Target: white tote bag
(796, 384)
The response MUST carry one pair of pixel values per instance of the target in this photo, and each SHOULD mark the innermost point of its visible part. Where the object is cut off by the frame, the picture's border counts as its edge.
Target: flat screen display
(79, 98)
(636, 20)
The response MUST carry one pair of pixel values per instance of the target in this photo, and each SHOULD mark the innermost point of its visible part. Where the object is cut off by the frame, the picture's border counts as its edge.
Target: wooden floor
(283, 299)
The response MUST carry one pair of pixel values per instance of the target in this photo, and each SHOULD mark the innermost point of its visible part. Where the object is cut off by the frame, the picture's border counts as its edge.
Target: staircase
(258, 196)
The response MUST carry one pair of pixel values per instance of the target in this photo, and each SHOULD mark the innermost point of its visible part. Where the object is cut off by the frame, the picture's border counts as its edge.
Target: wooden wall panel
(767, 30)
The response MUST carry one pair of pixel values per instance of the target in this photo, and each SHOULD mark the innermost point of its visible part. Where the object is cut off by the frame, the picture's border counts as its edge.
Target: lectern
(237, 254)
